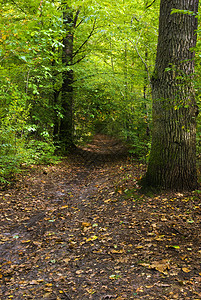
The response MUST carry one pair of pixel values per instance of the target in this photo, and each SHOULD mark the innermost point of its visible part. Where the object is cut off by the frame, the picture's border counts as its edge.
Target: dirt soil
(81, 230)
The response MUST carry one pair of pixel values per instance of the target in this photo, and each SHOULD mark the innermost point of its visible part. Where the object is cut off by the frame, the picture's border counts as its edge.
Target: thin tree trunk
(172, 163)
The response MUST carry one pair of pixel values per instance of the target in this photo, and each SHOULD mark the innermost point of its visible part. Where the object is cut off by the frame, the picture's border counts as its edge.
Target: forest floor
(81, 230)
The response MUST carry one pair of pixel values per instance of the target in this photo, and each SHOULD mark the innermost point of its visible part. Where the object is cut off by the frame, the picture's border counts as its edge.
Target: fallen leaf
(64, 206)
(86, 224)
(144, 265)
(117, 251)
(108, 200)
(186, 270)
(48, 284)
(159, 238)
(174, 246)
(33, 282)
(160, 266)
(115, 276)
(140, 289)
(93, 238)
(66, 260)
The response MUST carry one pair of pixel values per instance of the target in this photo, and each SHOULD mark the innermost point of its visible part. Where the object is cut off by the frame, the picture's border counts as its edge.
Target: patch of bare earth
(81, 230)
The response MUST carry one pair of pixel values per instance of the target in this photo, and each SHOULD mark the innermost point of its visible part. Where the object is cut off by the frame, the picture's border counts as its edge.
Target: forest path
(101, 149)
(81, 230)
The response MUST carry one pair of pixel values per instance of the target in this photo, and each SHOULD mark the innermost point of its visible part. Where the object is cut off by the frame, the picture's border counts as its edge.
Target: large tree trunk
(66, 122)
(172, 163)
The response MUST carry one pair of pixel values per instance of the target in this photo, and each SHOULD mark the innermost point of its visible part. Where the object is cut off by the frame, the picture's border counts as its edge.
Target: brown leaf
(161, 265)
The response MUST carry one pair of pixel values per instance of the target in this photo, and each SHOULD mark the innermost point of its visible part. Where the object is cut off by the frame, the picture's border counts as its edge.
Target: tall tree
(172, 163)
(66, 125)
(71, 56)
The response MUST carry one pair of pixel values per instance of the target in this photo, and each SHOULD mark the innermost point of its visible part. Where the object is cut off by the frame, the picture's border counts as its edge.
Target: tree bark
(172, 163)
(66, 122)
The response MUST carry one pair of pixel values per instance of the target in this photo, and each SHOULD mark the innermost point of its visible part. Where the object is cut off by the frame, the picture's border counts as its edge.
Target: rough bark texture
(172, 163)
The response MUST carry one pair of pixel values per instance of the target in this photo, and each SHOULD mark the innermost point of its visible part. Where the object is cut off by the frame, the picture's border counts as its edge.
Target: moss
(147, 188)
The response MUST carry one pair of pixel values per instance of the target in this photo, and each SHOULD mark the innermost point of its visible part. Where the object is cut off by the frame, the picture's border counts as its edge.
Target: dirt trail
(103, 149)
(80, 230)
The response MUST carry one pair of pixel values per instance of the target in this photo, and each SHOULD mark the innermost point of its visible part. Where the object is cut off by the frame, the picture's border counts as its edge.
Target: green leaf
(190, 221)
(175, 247)
(16, 236)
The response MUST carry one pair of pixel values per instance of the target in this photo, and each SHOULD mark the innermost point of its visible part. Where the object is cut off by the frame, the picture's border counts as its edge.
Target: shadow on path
(102, 149)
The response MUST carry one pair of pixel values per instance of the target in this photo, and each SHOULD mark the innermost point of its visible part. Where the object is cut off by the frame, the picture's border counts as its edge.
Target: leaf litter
(82, 230)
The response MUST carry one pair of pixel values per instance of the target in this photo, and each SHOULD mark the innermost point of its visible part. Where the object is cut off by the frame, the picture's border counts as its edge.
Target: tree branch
(18, 6)
(76, 17)
(79, 60)
(147, 6)
(80, 22)
(135, 46)
(77, 51)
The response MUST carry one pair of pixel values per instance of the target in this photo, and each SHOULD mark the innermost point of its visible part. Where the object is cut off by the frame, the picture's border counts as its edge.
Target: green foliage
(13, 113)
(114, 46)
(41, 152)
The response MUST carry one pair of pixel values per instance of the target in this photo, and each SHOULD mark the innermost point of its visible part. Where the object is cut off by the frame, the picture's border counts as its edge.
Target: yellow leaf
(117, 251)
(3, 37)
(85, 224)
(48, 284)
(64, 206)
(159, 238)
(144, 265)
(90, 291)
(186, 270)
(94, 237)
(108, 200)
(140, 289)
